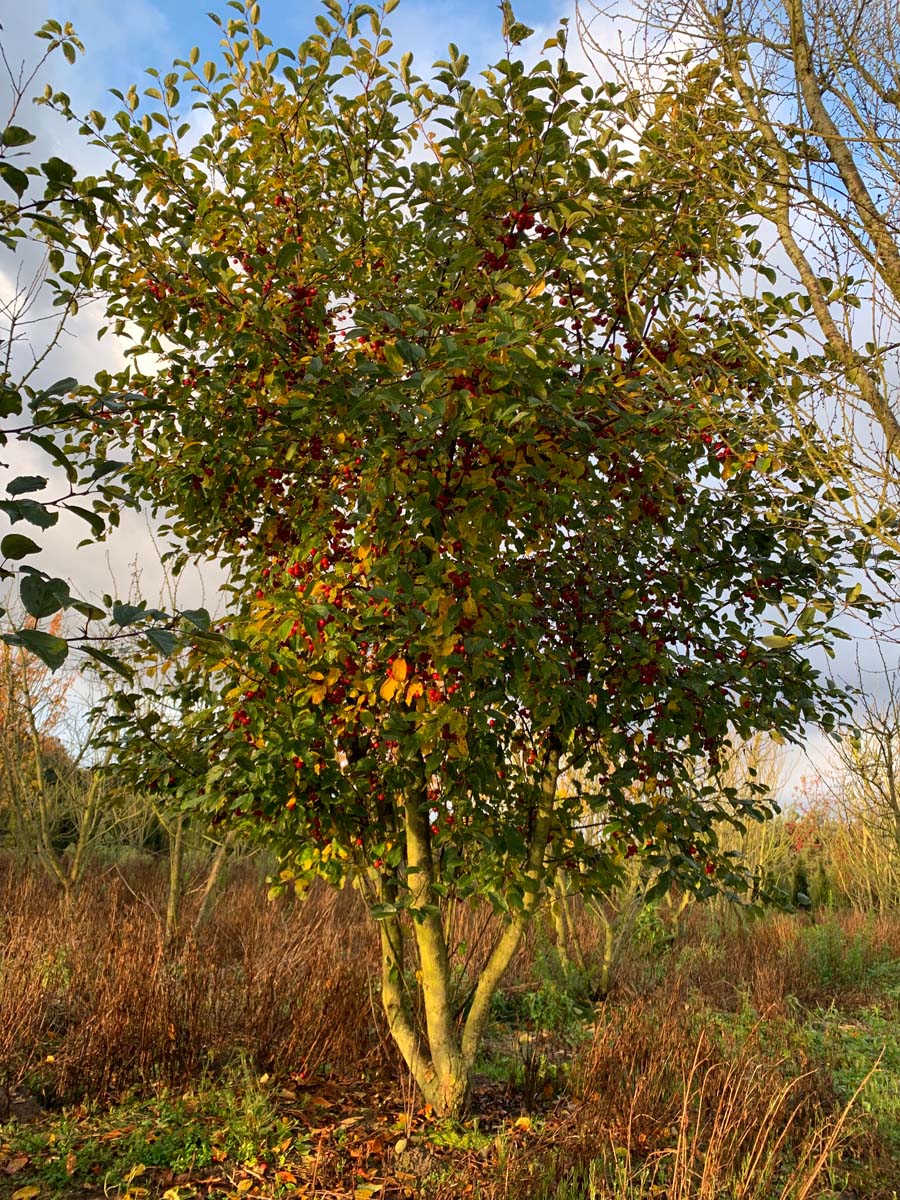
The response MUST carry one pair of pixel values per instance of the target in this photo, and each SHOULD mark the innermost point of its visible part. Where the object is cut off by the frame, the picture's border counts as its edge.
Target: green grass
(848, 1048)
(220, 1129)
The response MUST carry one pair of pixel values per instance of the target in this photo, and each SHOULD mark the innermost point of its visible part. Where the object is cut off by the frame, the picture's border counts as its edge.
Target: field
(733, 1057)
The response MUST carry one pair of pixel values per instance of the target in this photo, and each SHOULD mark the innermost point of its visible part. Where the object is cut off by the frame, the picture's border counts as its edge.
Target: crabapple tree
(430, 367)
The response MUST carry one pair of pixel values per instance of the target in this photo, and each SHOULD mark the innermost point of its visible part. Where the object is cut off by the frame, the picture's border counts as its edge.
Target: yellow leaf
(389, 688)
(317, 695)
(414, 689)
(26, 1193)
(522, 1123)
(399, 669)
(394, 360)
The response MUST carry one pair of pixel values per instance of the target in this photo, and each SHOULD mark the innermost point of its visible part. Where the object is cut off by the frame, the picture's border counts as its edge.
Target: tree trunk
(176, 873)
(208, 892)
(442, 1061)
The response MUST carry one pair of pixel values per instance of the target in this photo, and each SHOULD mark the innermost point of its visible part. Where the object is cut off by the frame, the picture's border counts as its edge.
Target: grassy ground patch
(725, 1063)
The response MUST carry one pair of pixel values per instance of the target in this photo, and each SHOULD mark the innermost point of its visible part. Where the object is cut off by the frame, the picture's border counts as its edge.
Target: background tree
(52, 803)
(818, 88)
(438, 380)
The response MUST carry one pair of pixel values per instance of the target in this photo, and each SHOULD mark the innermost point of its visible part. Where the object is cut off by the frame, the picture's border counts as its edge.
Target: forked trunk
(442, 1057)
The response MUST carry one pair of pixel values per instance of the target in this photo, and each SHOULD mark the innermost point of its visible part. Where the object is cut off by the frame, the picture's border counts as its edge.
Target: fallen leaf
(15, 1164)
(112, 1134)
(26, 1193)
(71, 1162)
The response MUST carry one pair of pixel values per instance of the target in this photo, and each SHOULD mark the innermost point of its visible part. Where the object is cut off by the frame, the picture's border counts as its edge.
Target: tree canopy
(432, 367)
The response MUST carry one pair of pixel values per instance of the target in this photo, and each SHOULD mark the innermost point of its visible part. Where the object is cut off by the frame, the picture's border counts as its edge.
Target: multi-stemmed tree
(431, 370)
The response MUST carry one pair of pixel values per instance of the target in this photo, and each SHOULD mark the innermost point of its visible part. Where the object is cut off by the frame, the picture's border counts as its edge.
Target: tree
(818, 87)
(35, 231)
(54, 807)
(499, 489)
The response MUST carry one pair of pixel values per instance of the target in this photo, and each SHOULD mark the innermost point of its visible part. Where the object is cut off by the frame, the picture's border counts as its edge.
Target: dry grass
(694, 1085)
(90, 998)
(689, 1103)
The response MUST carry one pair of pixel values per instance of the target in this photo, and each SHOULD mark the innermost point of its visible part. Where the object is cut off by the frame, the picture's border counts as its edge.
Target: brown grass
(693, 1085)
(91, 999)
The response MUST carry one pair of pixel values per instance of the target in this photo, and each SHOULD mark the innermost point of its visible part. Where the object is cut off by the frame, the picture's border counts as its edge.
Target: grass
(217, 1129)
(726, 1063)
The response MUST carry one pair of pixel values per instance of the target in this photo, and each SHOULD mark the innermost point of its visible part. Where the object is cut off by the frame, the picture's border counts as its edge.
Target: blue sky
(123, 37)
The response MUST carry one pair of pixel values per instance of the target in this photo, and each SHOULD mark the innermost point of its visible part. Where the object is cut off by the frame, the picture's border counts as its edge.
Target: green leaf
(197, 616)
(31, 511)
(287, 254)
(16, 545)
(91, 611)
(128, 614)
(14, 178)
(96, 522)
(51, 649)
(109, 660)
(658, 888)
(10, 401)
(26, 483)
(15, 135)
(107, 467)
(42, 597)
(58, 171)
(61, 388)
(59, 456)
(164, 640)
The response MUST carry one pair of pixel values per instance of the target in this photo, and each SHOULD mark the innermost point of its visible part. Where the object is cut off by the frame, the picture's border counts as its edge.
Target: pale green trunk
(450, 1085)
(442, 1062)
(176, 880)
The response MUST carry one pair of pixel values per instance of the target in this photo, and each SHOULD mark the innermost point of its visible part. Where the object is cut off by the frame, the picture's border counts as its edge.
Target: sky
(124, 37)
